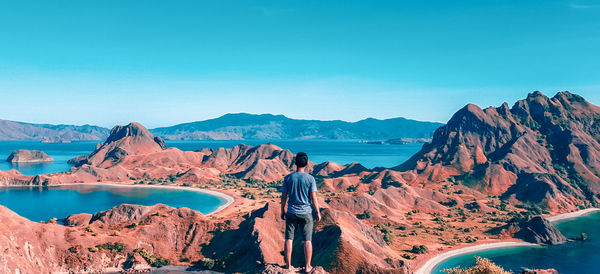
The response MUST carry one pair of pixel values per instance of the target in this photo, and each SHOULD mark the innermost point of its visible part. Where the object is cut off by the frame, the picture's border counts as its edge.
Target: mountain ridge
(234, 126)
(240, 126)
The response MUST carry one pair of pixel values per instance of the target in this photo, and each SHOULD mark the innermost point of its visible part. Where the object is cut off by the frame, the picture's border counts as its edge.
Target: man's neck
(301, 169)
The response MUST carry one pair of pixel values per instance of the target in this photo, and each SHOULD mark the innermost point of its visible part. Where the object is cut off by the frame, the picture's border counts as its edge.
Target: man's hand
(318, 216)
(283, 215)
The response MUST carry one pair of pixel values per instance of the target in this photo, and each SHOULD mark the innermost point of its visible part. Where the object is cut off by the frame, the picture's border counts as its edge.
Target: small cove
(44, 203)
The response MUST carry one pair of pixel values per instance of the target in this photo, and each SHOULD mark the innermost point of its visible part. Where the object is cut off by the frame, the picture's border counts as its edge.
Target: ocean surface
(573, 257)
(44, 203)
(341, 152)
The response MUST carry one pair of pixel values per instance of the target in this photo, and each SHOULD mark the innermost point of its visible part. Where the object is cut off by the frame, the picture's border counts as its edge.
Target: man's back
(299, 186)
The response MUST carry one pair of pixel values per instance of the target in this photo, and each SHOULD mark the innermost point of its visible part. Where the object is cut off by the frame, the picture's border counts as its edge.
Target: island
(29, 156)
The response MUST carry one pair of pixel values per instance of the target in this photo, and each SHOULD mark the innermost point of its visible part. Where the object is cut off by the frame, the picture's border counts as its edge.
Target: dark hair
(301, 159)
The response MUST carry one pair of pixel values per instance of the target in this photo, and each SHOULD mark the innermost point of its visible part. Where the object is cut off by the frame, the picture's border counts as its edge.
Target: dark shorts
(293, 222)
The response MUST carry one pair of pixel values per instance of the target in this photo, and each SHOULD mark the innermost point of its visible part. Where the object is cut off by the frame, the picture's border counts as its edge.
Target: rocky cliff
(540, 231)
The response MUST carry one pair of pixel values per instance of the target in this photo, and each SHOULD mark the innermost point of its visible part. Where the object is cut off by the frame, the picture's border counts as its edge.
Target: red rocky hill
(541, 150)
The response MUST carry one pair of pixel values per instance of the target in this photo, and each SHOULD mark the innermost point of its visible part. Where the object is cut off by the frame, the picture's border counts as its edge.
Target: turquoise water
(41, 204)
(573, 257)
(342, 152)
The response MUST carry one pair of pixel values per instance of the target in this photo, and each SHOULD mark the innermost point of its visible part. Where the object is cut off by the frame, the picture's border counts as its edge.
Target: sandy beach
(430, 264)
(433, 262)
(572, 215)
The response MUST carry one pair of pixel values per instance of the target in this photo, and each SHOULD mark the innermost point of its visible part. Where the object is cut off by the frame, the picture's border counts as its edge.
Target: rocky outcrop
(173, 235)
(341, 243)
(14, 177)
(23, 156)
(132, 139)
(120, 214)
(542, 150)
(540, 231)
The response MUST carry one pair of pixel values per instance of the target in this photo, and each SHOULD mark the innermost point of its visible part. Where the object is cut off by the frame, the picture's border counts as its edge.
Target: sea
(45, 203)
(339, 151)
(572, 257)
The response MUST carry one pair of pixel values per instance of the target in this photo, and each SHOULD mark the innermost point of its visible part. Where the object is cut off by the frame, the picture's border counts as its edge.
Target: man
(299, 191)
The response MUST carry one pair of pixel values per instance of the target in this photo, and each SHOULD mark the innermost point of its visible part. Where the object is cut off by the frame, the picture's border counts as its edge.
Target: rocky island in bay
(23, 156)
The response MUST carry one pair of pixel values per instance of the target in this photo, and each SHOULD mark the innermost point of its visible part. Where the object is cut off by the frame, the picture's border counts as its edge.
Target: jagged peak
(132, 129)
(566, 96)
(536, 94)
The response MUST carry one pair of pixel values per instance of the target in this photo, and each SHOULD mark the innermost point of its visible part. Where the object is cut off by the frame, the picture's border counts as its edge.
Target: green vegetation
(450, 203)
(112, 247)
(364, 215)
(419, 249)
(409, 256)
(351, 189)
(152, 259)
(90, 229)
(386, 231)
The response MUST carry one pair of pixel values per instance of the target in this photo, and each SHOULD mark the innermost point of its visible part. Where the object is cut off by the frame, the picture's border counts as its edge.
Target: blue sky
(167, 62)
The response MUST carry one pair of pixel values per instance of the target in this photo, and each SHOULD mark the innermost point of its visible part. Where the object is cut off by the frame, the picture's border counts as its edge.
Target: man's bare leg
(288, 253)
(308, 255)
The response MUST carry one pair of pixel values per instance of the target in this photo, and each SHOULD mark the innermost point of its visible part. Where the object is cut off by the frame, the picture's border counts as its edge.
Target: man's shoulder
(306, 175)
(289, 176)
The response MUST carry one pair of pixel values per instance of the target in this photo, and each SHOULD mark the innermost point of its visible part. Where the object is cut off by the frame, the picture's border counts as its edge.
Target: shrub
(419, 249)
(483, 265)
(408, 256)
(152, 259)
(90, 229)
(113, 247)
(450, 203)
(364, 215)
(386, 232)
(351, 189)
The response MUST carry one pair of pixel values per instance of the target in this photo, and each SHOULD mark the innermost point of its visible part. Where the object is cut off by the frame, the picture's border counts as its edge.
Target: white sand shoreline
(228, 199)
(436, 260)
(572, 215)
(428, 266)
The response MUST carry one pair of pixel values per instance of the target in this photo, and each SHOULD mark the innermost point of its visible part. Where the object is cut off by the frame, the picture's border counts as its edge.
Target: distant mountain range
(240, 126)
(13, 131)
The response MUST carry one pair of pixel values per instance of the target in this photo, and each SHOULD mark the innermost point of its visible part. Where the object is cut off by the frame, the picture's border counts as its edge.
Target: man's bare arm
(315, 201)
(283, 201)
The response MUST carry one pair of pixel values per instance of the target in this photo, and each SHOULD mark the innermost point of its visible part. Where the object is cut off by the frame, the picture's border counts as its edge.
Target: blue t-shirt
(299, 186)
